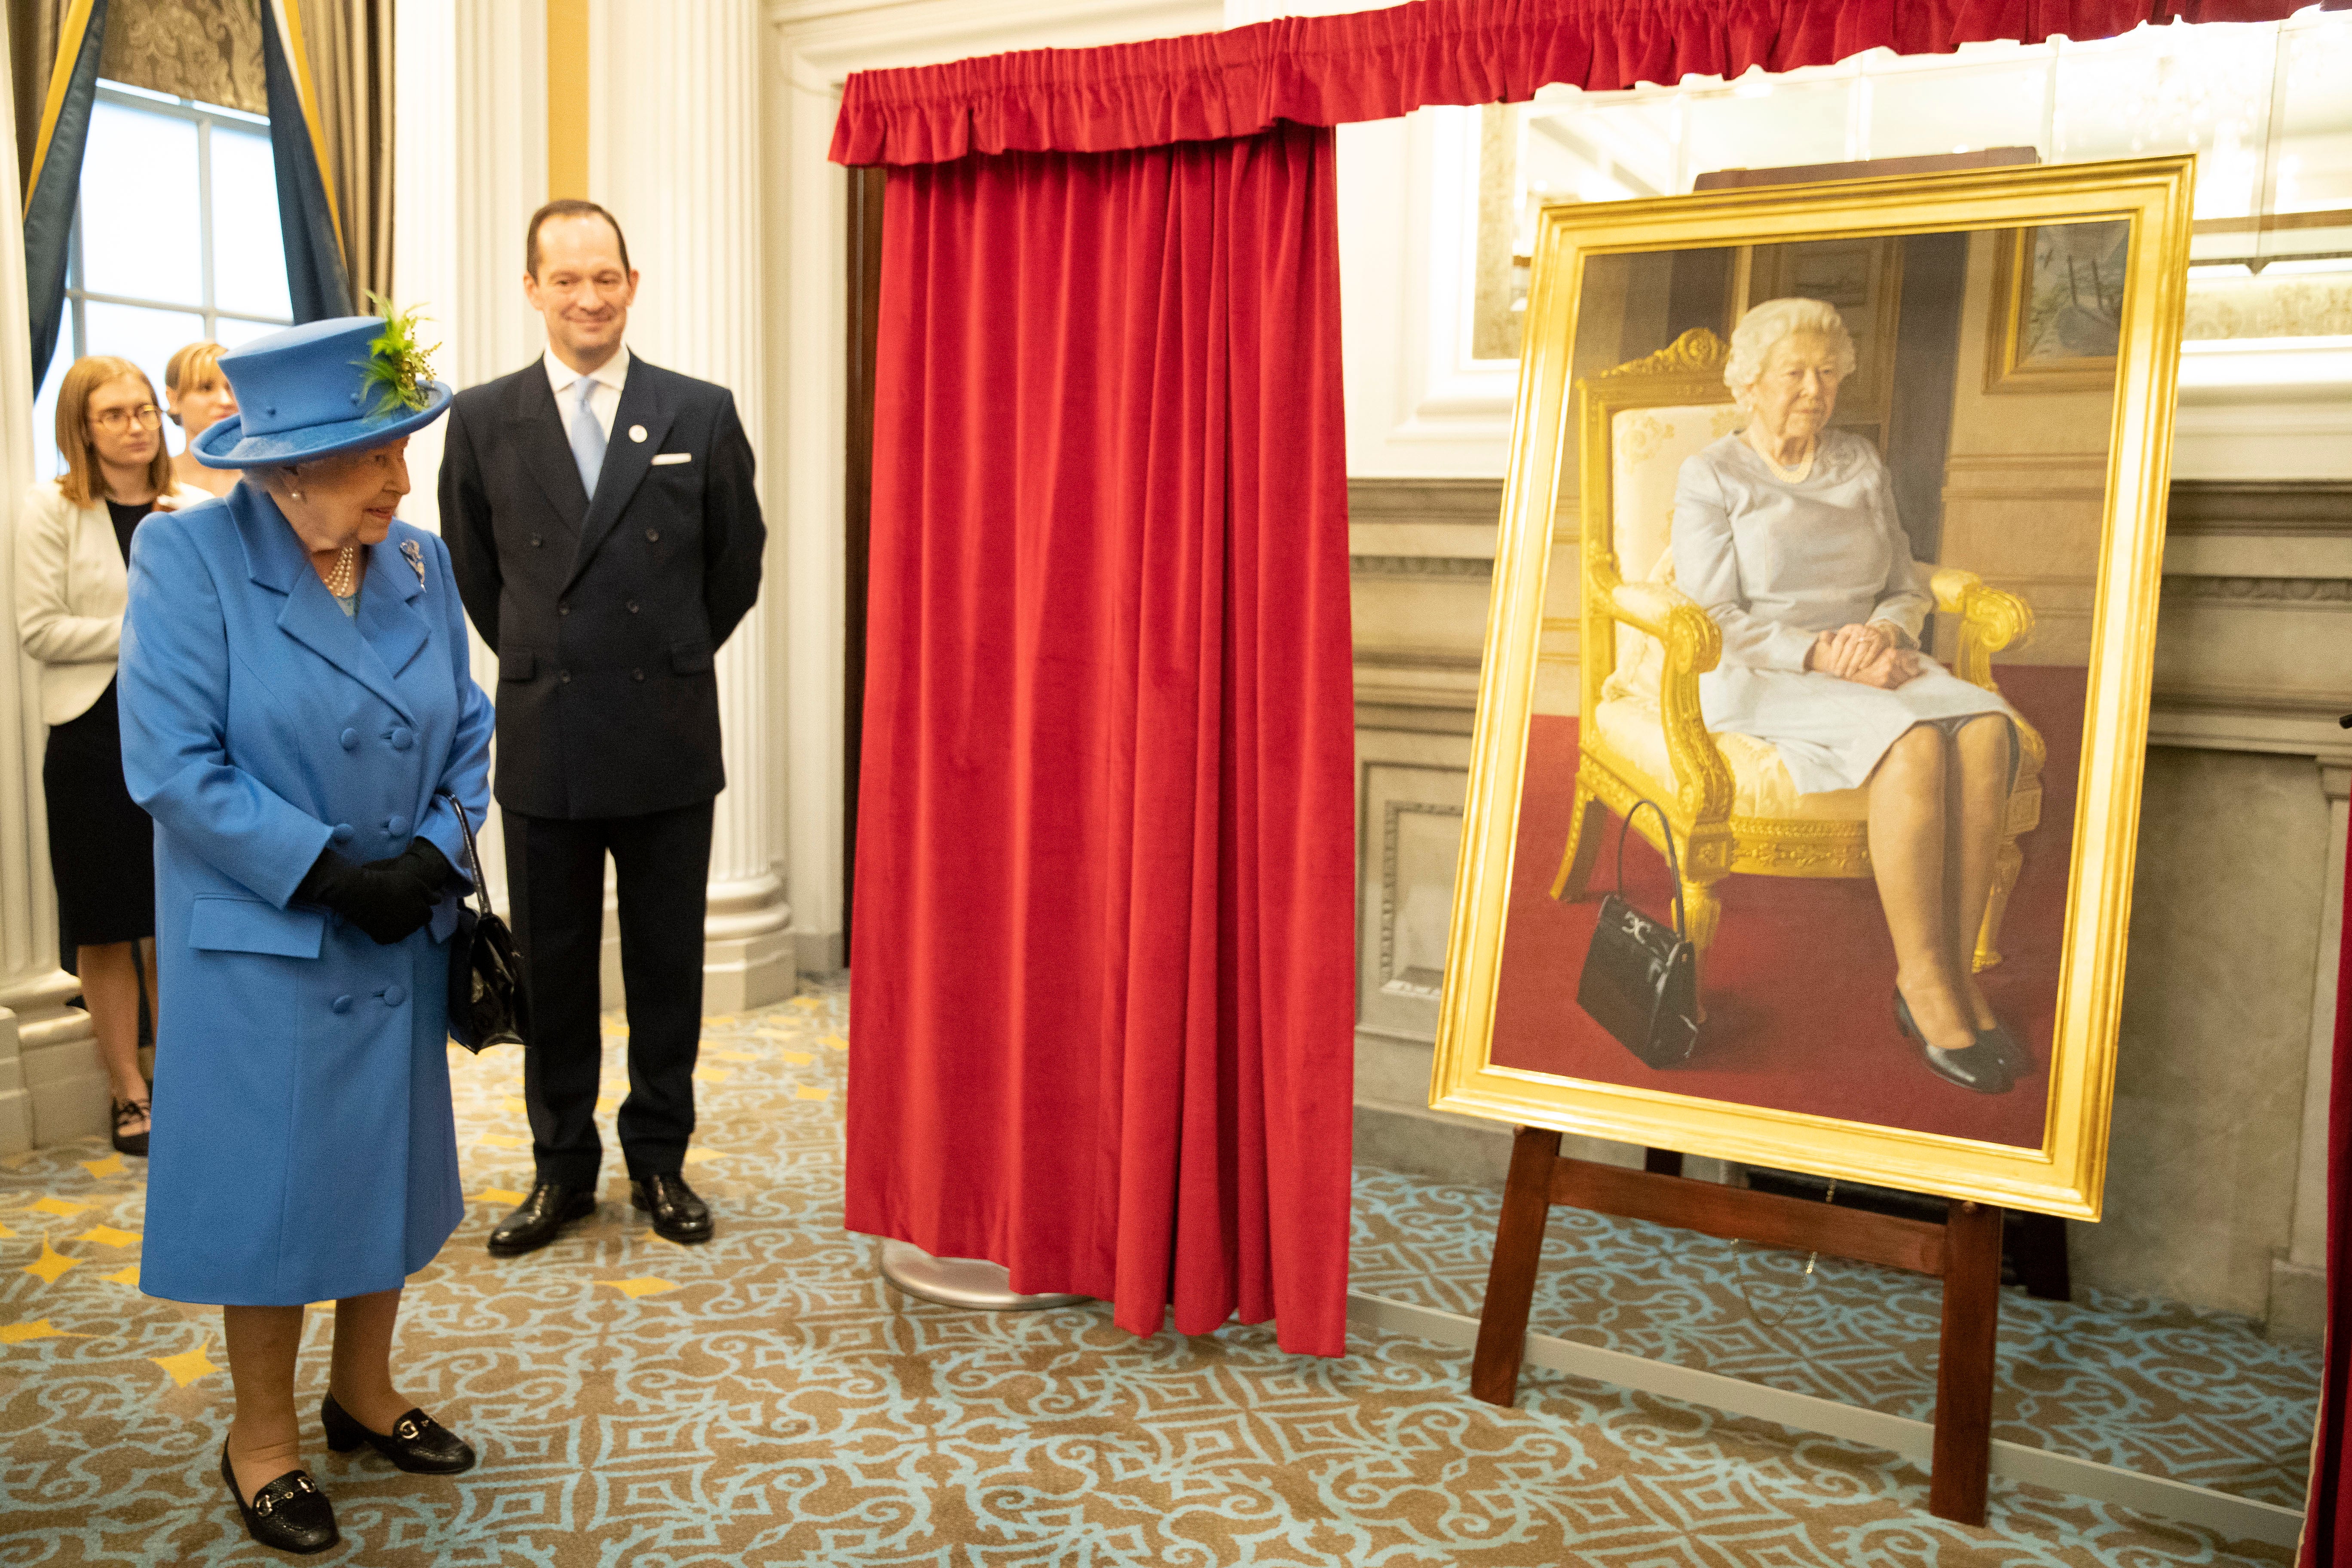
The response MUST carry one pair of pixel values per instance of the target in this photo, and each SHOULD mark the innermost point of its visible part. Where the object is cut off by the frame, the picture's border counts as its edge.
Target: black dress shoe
(551, 1207)
(1979, 1066)
(678, 1214)
(289, 1514)
(416, 1443)
(2008, 1048)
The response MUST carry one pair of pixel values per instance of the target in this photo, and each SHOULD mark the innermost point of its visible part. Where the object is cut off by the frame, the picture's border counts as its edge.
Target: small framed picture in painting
(1812, 847)
(2057, 305)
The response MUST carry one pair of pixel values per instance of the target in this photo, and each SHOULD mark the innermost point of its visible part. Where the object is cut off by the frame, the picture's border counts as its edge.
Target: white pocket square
(661, 458)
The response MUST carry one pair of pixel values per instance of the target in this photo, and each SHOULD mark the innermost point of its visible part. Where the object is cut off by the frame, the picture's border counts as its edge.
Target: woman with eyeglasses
(73, 552)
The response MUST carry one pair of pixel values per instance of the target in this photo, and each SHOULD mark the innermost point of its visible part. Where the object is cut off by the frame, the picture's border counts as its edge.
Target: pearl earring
(296, 494)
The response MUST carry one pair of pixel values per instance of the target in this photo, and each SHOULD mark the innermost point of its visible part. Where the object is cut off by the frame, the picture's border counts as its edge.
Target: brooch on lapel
(416, 553)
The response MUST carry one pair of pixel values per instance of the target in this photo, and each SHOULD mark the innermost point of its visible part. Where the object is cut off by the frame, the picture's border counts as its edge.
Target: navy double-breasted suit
(605, 613)
(303, 1148)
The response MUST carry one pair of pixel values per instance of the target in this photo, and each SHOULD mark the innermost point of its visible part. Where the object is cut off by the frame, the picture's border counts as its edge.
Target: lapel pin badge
(636, 432)
(416, 553)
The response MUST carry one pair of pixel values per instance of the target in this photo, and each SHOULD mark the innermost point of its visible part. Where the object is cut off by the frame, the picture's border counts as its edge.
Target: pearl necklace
(342, 581)
(1796, 475)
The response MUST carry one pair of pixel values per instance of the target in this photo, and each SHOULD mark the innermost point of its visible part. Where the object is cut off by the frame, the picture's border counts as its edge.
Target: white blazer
(70, 591)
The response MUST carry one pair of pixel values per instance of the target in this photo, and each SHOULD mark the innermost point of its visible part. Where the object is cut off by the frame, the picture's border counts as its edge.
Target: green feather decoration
(400, 368)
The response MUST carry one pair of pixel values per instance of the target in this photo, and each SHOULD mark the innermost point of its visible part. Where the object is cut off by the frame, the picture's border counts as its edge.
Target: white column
(674, 151)
(469, 166)
(808, 294)
(52, 1087)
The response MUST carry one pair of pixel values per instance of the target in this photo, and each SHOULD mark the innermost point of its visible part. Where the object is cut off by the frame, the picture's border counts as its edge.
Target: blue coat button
(403, 738)
(393, 995)
(342, 1003)
(397, 826)
(343, 833)
(350, 739)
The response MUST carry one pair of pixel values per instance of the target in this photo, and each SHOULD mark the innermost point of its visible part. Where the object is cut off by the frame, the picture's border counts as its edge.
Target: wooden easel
(1964, 1252)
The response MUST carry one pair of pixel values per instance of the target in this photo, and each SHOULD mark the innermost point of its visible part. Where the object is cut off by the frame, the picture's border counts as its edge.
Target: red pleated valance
(1376, 65)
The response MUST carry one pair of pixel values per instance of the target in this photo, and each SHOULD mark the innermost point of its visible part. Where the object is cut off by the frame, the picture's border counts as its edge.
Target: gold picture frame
(2023, 353)
(2112, 668)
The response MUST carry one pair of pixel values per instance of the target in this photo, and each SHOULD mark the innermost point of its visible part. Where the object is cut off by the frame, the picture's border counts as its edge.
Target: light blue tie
(587, 439)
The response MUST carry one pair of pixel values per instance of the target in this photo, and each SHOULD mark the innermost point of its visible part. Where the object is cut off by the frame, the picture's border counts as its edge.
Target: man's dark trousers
(555, 880)
(607, 615)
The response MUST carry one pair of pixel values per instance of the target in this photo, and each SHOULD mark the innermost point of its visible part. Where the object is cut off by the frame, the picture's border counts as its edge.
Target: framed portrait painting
(1880, 663)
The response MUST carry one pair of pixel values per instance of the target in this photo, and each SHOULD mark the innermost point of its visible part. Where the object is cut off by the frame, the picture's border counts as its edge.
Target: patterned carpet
(767, 1400)
(2138, 1384)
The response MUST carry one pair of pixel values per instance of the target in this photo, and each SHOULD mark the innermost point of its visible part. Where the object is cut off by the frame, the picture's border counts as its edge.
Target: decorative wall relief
(209, 50)
(2269, 306)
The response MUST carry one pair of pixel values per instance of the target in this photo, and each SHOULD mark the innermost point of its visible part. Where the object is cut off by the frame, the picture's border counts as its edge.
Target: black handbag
(487, 1002)
(1640, 978)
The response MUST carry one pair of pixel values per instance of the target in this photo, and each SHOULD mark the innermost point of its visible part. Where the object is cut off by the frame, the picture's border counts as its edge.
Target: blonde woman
(73, 550)
(1785, 533)
(198, 396)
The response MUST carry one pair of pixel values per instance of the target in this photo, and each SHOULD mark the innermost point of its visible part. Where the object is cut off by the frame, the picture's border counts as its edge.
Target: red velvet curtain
(1376, 65)
(2328, 1510)
(1101, 964)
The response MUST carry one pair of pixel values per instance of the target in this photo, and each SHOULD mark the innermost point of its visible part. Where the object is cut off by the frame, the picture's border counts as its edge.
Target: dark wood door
(865, 273)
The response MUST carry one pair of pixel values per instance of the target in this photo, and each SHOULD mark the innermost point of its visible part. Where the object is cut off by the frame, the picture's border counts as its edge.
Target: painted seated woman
(1785, 533)
(295, 713)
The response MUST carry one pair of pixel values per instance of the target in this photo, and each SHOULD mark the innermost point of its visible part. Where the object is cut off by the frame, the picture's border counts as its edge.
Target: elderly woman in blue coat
(297, 715)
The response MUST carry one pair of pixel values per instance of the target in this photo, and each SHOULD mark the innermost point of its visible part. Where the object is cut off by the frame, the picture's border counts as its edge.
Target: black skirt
(101, 846)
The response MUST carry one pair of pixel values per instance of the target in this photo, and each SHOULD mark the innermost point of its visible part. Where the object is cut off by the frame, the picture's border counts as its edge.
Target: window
(176, 239)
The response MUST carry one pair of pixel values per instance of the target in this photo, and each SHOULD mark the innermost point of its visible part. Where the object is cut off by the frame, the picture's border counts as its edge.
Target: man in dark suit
(605, 533)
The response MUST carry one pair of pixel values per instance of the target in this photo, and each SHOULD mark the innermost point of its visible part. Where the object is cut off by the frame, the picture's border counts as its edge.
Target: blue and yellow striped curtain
(315, 275)
(55, 180)
(316, 280)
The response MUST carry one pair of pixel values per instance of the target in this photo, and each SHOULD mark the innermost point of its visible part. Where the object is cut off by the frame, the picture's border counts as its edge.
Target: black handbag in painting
(1641, 977)
(486, 1004)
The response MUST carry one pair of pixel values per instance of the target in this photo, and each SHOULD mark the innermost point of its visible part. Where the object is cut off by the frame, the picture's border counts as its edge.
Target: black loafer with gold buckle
(289, 1514)
(416, 1443)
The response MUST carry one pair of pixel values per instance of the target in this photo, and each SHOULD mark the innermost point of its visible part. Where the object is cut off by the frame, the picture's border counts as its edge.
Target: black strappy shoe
(289, 1514)
(131, 1111)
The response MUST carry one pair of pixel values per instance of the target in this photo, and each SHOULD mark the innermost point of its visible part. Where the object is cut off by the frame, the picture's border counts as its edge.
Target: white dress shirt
(603, 402)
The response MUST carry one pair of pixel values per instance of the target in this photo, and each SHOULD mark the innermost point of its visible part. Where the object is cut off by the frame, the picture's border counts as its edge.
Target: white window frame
(72, 334)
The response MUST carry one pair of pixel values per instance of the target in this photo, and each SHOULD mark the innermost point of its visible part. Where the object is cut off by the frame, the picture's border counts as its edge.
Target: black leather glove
(389, 899)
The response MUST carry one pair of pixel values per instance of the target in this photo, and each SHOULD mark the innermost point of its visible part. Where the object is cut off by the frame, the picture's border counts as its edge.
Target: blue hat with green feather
(342, 384)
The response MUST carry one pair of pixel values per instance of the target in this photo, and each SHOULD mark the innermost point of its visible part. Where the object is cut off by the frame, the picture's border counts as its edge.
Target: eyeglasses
(147, 416)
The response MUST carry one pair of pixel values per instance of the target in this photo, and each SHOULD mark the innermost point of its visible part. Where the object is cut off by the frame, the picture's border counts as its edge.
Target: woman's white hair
(1766, 325)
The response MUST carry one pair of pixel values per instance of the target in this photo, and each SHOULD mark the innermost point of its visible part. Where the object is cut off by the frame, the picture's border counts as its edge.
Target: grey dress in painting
(1775, 563)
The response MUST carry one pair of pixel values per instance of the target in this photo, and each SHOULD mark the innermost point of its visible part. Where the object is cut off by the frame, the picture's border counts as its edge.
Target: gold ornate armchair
(1644, 645)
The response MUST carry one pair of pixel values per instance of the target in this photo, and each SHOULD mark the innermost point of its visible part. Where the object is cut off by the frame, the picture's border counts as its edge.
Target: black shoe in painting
(1979, 1066)
(2008, 1048)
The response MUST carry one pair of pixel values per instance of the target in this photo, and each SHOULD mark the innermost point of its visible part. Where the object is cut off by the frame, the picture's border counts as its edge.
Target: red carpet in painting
(1799, 984)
